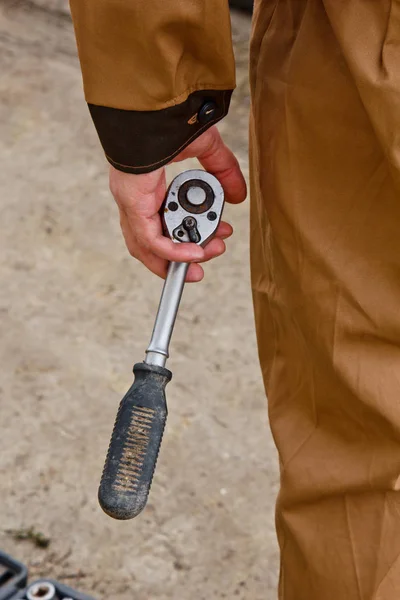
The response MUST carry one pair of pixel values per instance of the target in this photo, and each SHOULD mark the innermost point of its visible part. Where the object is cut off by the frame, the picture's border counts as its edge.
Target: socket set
(48, 589)
(13, 584)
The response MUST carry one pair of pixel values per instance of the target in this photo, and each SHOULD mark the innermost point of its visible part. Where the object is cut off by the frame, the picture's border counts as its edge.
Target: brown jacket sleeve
(157, 73)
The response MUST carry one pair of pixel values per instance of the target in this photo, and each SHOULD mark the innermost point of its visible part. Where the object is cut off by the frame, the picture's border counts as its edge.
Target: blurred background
(76, 312)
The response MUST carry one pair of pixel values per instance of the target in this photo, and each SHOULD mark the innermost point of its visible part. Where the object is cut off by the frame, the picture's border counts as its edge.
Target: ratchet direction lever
(191, 212)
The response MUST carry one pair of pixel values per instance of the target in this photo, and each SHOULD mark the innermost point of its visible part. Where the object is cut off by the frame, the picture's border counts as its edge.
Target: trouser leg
(325, 252)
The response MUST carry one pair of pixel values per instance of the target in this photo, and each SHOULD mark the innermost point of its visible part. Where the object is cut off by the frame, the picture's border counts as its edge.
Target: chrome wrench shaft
(157, 352)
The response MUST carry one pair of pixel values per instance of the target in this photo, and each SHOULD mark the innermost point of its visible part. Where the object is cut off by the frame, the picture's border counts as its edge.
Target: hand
(139, 198)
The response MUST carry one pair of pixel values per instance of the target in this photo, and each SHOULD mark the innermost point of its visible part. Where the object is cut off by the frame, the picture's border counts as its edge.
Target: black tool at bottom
(13, 575)
(48, 589)
(135, 442)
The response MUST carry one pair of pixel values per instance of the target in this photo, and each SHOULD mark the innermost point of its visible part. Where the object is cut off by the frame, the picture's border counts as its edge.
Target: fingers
(214, 248)
(185, 252)
(224, 230)
(144, 234)
(149, 237)
(219, 160)
(182, 252)
(139, 198)
(159, 265)
(195, 273)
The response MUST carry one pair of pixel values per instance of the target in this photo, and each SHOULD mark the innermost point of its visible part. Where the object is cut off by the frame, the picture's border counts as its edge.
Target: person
(325, 245)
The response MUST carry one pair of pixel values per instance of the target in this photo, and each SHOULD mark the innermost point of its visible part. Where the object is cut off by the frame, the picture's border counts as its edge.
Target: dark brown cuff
(142, 141)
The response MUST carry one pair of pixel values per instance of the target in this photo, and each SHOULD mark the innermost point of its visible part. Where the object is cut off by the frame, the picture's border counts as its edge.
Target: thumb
(218, 159)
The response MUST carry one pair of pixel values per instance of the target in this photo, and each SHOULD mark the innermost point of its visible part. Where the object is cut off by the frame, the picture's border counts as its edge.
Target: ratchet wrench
(191, 212)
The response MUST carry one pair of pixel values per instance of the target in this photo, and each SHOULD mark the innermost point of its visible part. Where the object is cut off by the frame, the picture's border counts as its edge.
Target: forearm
(156, 74)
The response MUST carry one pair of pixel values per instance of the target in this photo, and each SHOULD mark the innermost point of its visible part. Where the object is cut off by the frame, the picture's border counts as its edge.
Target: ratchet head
(193, 207)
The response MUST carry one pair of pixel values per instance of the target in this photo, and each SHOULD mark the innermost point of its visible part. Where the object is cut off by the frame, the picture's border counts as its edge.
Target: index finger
(176, 251)
(218, 159)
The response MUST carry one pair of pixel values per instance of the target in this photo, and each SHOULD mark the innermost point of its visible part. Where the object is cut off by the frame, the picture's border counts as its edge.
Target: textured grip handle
(135, 442)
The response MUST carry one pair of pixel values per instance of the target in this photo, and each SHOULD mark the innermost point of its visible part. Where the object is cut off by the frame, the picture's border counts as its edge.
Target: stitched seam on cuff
(166, 158)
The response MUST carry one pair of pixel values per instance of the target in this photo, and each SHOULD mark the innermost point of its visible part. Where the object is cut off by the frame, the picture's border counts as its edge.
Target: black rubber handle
(135, 443)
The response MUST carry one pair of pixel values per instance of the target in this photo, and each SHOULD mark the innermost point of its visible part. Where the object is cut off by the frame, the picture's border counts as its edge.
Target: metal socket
(42, 590)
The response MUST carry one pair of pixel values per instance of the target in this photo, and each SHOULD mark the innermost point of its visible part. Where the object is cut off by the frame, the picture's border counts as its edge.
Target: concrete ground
(76, 312)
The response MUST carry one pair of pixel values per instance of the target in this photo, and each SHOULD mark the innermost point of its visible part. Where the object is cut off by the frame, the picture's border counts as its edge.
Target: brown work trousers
(325, 237)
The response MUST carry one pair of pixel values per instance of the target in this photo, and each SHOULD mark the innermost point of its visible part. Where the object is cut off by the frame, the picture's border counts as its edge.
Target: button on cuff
(206, 113)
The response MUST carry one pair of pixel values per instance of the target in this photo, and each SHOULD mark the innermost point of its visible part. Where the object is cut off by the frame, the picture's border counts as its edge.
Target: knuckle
(213, 145)
(145, 244)
(132, 251)
(143, 240)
